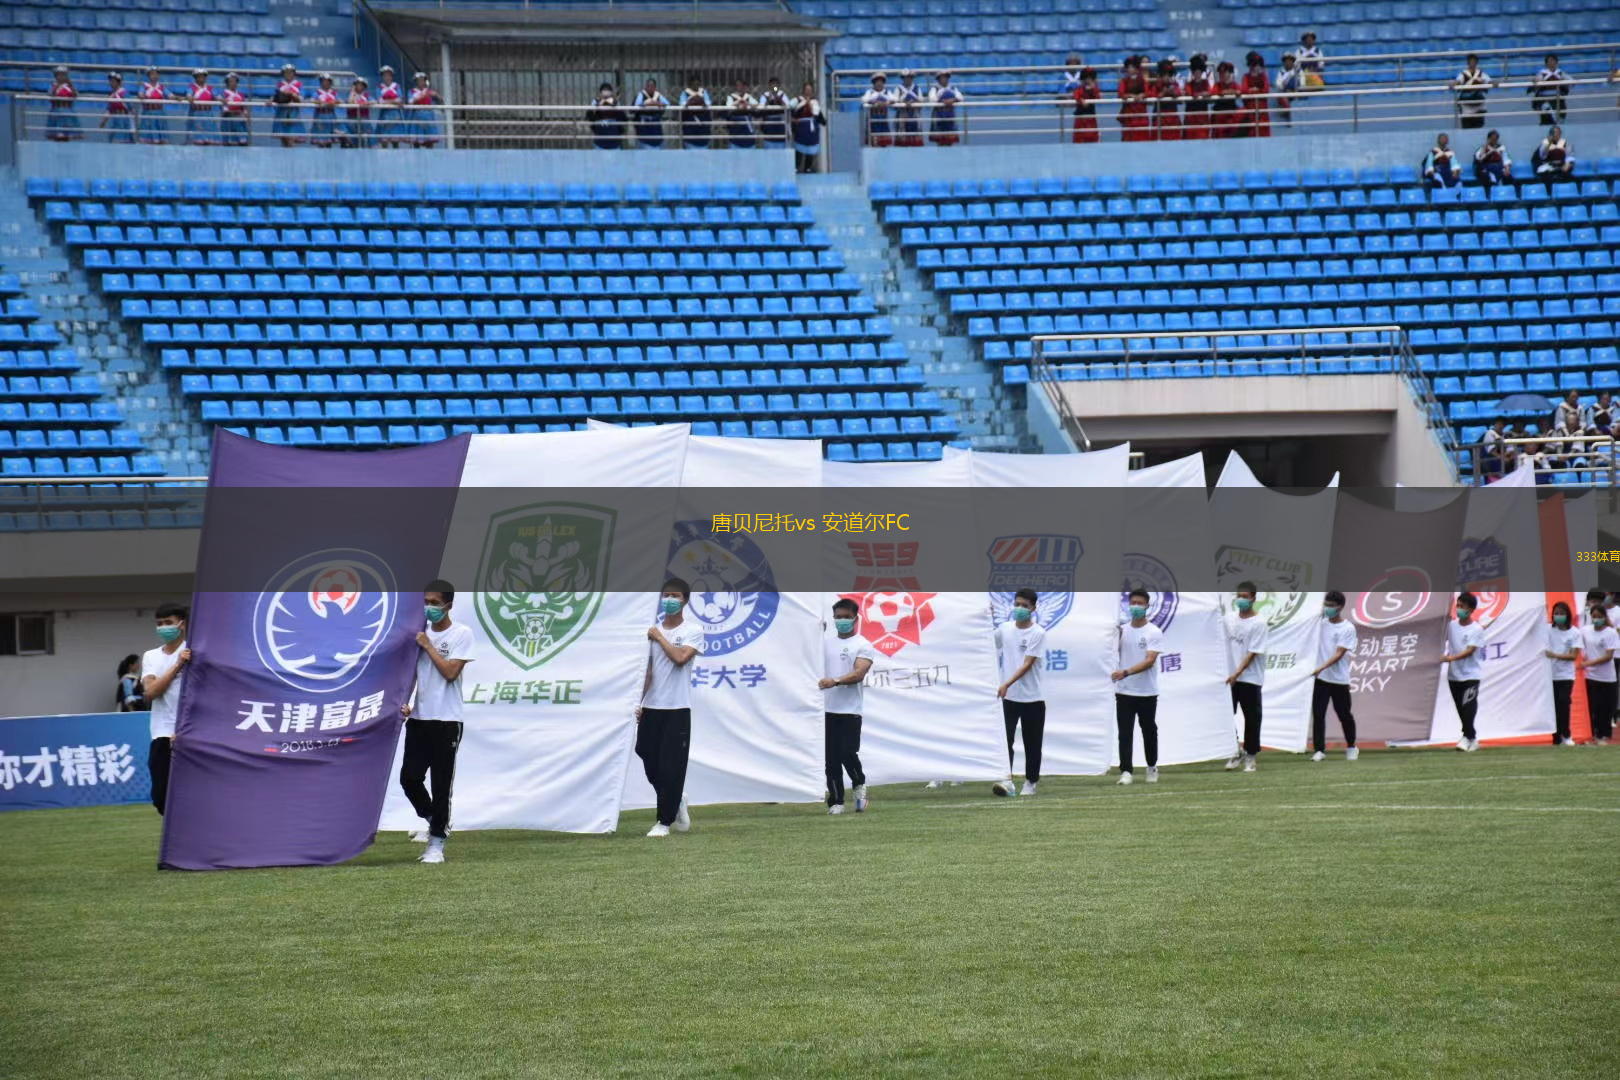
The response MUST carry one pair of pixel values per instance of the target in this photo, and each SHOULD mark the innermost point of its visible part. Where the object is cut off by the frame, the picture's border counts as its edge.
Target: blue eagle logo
(321, 618)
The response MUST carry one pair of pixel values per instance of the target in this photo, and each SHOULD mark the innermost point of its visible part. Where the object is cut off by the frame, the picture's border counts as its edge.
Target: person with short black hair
(433, 712)
(606, 119)
(696, 122)
(649, 109)
(807, 124)
(1022, 645)
(162, 680)
(128, 698)
(1133, 102)
(1246, 635)
(1226, 106)
(1287, 83)
(1563, 650)
(774, 105)
(1335, 645)
(1136, 687)
(1197, 89)
(1492, 165)
(1440, 166)
(1464, 640)
(846, 658)
(1471, 86)
(1256, 87)
(1553, 159)
(1599, 645)
(664, 717)
(740, 108)
(1167, 94)
(1549, 92)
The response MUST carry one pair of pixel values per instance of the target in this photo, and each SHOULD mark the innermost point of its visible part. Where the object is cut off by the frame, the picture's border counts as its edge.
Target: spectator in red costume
(1133, 102)
(1086, 95)
(1256, 87)
(1197, 90)
(1167, 94)
(1227, 108)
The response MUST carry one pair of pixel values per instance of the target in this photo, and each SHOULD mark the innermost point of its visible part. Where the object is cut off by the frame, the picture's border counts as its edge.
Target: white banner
(1246, 542)
(550, 697)
(930, 708)
(1167, 540)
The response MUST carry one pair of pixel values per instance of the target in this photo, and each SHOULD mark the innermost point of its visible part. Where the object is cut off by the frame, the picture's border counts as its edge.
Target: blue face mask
(1330, 612)
(1560, 620)
(169, 633)
(844, 626)
(1244, 603)
(1138, 611)
(1464, 614)
(671, 605)
(434, 614)
(1022, 614)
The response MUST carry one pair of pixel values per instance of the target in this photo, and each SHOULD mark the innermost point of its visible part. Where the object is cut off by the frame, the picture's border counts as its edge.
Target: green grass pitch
(1421, 914)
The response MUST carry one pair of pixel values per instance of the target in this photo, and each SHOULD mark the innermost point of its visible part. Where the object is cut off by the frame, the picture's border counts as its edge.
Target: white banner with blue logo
(550, 697)
(1079, 738)
(1167, 540)
(930, 706)
(756, 712)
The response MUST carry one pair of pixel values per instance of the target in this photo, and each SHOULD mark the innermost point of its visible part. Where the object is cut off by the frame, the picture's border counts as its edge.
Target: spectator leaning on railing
(1086, 96)
(807, 123)
(1285, 85)
(649, 108)
(61, 124)
(1471, 86)
(606, 119)
(876, 104)
(942, 129)
(1256, 96)
(908, 102)
(1549, 91)
(118, 120)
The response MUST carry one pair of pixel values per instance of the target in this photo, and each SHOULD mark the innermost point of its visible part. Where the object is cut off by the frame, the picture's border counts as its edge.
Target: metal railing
(147, 501)
(372, 126)
(1398, 69)
(1328, 350)
(1591, 457)
(1024, 120)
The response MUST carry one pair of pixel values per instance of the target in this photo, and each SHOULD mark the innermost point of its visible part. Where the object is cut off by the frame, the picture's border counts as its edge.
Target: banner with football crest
(1167, 541)
(756, 712)
(1284, 550)
(550, 698)
(1079, 625)
(931, 711)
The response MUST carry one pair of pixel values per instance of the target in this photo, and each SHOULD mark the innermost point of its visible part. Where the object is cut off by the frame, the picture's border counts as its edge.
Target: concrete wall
(92, 632)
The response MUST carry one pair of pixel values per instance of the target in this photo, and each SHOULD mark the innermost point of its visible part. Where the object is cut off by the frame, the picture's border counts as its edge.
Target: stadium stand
(1503, 293)
(346, 314)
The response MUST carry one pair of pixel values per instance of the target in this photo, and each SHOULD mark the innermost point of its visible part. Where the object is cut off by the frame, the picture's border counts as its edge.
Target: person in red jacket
(1226, 110)
(1133, 102)
(1256, 88)
(1197, 90)
(1167, 95)
(1086, 96)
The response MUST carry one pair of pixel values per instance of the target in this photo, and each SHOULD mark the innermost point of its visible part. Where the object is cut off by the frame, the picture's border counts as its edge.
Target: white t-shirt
(438, 698)
(1017, 645)
(1458, 638)
(672, 686)
(1135, 642)
(1332, 635)
(1245, 636)
(165, 709)
(839, 655)
(1594, 642)
(1563, 641)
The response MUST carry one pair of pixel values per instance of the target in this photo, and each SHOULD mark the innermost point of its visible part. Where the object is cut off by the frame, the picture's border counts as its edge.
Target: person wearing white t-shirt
(1246, 650)
(1023, 647)
(846, 658)
(664, 718)
(433, 713)
(1335, 645)
(1563, 649)
(1599, 644)
(162, 675)
(1464, 640)
(1136, 688)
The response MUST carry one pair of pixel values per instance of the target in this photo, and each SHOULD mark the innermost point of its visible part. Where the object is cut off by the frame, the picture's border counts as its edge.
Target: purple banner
(290, 711)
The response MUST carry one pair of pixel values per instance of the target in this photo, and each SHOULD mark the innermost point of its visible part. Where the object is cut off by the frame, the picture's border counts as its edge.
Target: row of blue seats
(521, 408)
(1536, 382)
(1421, 329)
(1307, 235)
(789, 330)
(133, 19)
(206, 236)
(1433, 10)
(66, 440)
(74, 520)
(988, 28)
(1341, 24)
(846, 9)
(765, 360)
(1484, 41)
(1020, 50)
(562, 285)
(411, 384)
(884, 191)
(1255, 261)
(969, 43)
(37, 333)
(38, 360)
(66, 412)
(1523, 276)
(51, 386)
(405, 191)
(466, 262)
(1537, 360)
(744, 307)
(1425, 342)
(1538, 197)
(1443, 309)
(56, 465)
(254, 7)
(145, 43)
(316, 214)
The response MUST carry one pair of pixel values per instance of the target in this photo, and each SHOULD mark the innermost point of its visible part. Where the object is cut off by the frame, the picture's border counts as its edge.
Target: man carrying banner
(433, 715)
(1464, 640)
(162, 674)
(1336, 644)
(846, 659)
(1246, 650)
(664, 717)
(1022, 645)
(1599, 645)
(1136, 687)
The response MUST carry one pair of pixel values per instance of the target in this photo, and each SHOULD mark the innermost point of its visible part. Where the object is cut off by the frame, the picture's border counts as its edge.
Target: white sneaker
(1248, 763)
(932, 784)
(955, 783)
(1351, 753)
(1462, 744)
(683, 820)
(860, 799)
(1236, 762)
(1319, 756)
(1125, 779)
(659, 830)
(836, 808)
(1569, 742)
(419, 836)
(1029, 788)
(1153, 774)
(1595, 742)
(1004, 788)
(434, 852)
(1473, 744)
